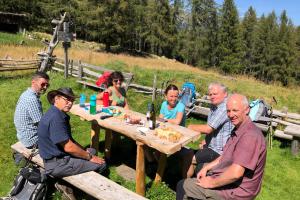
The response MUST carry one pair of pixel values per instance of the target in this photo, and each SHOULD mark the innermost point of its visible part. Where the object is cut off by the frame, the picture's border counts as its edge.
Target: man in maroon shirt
(237, 174)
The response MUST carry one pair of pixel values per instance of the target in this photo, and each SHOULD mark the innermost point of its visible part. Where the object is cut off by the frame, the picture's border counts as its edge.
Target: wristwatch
(90, 156)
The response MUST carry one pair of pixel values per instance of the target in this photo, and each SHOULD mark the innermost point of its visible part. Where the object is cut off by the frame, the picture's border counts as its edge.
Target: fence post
(154, 89)
(71, 67)
(80, 70)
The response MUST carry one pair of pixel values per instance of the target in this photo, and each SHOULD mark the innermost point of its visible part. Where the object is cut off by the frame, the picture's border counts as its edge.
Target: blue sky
(292, 7)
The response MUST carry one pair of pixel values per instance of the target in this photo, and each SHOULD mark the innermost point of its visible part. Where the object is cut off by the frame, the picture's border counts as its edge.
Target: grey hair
(220, 85)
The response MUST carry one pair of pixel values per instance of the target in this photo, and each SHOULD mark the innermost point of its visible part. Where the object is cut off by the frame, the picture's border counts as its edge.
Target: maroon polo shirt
(247, 148)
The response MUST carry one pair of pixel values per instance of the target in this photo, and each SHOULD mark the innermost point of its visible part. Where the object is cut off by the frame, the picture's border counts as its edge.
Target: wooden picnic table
(118, 125)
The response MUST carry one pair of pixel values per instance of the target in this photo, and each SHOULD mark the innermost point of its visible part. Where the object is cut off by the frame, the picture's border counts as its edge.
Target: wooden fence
(12, 65)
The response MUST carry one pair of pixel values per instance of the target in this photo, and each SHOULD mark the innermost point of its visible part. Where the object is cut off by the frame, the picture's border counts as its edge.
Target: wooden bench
(91, 183)
(294, 131)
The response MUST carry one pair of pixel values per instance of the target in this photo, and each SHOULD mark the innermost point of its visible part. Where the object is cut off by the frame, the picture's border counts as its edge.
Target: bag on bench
(29, 184)
(259, 109)
(188, 94)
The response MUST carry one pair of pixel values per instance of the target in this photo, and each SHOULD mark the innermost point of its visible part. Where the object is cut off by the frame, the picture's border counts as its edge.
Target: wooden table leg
(140, 169)
(161, 168)
(95, 131)
(107, 146)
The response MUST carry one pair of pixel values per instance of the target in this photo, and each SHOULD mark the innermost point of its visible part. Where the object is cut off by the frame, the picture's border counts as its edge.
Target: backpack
(258, 109)
(103, 80)
(29, 185)
(188, 94)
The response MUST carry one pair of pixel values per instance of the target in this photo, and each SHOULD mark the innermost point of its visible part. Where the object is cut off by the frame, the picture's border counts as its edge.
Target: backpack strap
(33, 153)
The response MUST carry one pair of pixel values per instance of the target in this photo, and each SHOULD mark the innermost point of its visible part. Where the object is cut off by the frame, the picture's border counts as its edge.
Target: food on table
(168, 134)
(116, 111)
(133, 119)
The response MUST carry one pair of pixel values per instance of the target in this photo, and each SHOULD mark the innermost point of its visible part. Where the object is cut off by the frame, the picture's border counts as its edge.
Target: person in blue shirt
(62, 155)
(29, 111)
(172, 110)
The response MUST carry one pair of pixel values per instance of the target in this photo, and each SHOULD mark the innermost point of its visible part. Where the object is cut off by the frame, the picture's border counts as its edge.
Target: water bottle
(82, 100)
(105, 99)
(93, 110)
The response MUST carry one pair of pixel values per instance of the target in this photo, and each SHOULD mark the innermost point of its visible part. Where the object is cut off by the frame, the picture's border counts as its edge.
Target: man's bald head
(237, 109)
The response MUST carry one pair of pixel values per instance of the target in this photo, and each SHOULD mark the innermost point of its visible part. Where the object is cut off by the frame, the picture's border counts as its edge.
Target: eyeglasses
(116, 80)
(45, 84)
(67, 100)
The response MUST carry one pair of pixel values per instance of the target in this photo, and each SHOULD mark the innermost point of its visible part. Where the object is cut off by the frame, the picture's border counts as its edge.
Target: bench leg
(161, 168)
(140, 169)
(295, 146)
(95, 130)
(108, 140)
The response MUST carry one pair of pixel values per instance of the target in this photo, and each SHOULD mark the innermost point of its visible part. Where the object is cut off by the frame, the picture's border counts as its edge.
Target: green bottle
(93, 105)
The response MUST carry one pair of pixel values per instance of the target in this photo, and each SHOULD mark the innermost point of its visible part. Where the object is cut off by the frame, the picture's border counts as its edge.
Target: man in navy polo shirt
(62, 155)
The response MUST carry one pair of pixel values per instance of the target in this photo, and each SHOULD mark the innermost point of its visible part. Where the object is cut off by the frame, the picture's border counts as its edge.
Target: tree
(286, 50)
(266, 57)
(203, 33)
(249, 40)
(159, 28)
(230, 47)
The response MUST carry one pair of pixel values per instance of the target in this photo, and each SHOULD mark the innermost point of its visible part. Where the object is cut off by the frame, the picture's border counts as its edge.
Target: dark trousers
(68, 166)
(204, 155)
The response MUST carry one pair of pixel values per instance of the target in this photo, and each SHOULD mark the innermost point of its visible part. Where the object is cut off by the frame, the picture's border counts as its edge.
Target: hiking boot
(67, 191)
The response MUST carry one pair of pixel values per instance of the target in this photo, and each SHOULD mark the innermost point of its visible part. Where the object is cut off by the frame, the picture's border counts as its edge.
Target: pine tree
(266, 57)
(203, 33)
(286, 50)
(230, 48)
(159, 29)
(249, 40)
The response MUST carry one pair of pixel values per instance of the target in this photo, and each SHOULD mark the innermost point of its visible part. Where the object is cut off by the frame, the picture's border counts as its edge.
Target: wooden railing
(12, 65)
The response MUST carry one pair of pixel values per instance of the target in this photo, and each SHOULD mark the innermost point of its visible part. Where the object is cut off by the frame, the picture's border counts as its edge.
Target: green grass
(17, 39)
(282, 173)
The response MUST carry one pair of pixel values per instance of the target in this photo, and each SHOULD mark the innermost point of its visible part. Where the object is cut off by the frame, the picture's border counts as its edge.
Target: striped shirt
(27, 116)
(219, 121)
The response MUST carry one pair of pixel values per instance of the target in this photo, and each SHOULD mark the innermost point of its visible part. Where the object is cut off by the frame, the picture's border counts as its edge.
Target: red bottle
(105, 99)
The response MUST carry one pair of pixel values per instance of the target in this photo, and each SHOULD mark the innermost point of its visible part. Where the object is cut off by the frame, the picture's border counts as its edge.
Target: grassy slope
(145, 67)
(282, 172)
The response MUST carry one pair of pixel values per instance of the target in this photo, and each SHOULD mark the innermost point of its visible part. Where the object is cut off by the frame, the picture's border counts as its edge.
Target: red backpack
(103, 79)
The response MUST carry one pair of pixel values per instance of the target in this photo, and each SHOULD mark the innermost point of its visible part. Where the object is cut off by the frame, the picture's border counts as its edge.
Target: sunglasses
(116, 80)
(67, 99)
(45, 84)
